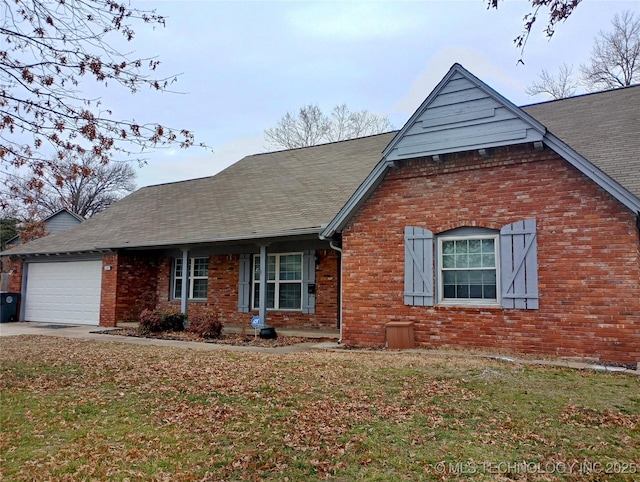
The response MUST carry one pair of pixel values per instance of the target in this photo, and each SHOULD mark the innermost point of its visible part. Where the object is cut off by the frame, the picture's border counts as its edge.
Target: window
(198, 278)
(473, 266)
(468, 268)
(284, 281)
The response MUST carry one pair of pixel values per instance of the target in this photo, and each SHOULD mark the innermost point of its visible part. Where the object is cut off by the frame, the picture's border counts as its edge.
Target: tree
(8, 229)
(615, 56)
(48, 49)
(556, 10)
(558, 87)
(311, 126)
(85, 187)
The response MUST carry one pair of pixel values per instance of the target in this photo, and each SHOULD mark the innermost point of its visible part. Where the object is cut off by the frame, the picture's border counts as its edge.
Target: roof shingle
(299, 191)
(286, 192)
(604, 128)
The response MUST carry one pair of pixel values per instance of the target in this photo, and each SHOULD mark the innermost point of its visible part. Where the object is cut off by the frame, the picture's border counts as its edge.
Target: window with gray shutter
(309, 282)
(418, 266)
(519, 265)
(244, 283)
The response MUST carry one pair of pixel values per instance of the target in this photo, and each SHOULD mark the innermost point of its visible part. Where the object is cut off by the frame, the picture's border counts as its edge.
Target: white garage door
(64, 292)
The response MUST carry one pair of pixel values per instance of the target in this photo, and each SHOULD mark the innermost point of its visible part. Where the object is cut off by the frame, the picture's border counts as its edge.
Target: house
(485, 225)
(56, 222)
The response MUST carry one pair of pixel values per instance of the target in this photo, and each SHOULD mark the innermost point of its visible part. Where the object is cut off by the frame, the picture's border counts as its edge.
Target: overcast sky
(243, 65)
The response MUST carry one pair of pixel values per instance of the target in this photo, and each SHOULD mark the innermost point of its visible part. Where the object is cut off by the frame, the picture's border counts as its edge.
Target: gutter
(245, 237)
(339, 250)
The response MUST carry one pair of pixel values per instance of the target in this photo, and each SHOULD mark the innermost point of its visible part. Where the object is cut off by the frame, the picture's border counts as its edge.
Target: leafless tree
(556, 11)
(615, 56)
(559, 86)
(84, 188)
(50, 47)
(311, 126)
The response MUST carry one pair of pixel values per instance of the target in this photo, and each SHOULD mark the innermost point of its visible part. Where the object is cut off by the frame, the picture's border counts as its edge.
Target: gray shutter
(418, 266)
(309, 279)
(519, 265)
(244, 283)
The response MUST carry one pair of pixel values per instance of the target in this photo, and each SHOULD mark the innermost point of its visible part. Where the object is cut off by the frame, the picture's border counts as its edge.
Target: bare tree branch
(557, 87)
(311, 126)
(84, 189)
(556, 11)
(48, 47)
(615, 57)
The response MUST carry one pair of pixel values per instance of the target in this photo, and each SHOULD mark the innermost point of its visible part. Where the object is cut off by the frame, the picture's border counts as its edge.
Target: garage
(64, 292)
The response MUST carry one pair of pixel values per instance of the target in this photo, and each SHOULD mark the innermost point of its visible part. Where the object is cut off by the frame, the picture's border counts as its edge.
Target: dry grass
(80, 410)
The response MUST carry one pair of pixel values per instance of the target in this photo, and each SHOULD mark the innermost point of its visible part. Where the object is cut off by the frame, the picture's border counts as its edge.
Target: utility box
(9, 304)
(400, 335)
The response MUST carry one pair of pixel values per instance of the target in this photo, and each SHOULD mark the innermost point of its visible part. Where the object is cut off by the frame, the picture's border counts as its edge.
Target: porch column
(185, 282)
(264, 267)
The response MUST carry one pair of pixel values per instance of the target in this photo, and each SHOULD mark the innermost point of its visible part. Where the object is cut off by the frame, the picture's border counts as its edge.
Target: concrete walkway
(86, 332)
(90, 333)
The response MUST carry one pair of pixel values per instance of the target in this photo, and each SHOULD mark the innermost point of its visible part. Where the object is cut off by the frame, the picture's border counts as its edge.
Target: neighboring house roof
(55, 223)
(463, 113)
(284, 193)
(313, 191)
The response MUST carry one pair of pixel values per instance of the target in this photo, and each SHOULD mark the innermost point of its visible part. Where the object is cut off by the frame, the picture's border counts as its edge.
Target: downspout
(339, 250)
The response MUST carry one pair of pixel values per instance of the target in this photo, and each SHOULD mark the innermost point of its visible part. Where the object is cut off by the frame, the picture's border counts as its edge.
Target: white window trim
(276, 301)
(192, 277)
(471, 301)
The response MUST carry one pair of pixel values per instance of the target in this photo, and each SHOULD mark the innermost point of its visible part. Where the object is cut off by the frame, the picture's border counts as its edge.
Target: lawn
(80, 410)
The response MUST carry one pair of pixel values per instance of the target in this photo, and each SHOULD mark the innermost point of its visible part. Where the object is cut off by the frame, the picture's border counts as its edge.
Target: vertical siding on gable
(462, 117)
(60, 222)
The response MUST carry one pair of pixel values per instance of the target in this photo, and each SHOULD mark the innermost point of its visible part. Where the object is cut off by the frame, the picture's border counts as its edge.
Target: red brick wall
(108, 290)
(128, 287)
(223, 293)
(14, 266)
(588, 256)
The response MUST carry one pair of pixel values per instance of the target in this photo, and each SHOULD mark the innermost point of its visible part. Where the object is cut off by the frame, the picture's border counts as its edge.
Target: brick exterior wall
(588, 257)
(128, 287)
(222, 291)
(15, 267)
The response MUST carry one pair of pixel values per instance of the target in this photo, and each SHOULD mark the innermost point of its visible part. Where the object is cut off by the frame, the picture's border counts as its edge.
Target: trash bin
(9, 303)
(400, 335)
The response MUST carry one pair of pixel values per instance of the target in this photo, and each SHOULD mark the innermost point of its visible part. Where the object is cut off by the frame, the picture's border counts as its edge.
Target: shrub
(207, 325)
(156, 321)
(173, 320)
(150, 322)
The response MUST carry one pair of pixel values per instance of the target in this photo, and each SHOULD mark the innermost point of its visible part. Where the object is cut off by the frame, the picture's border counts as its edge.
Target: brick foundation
(588, 256)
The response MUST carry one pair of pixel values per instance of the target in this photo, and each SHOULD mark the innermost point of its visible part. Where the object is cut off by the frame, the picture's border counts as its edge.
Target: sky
(242, 65)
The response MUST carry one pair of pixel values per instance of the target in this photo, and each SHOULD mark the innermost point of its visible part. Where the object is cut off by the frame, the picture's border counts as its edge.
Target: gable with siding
(462, 115)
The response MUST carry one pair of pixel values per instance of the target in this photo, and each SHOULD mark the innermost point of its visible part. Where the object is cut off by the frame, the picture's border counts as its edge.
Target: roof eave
(615, 189)
(358, 198)
(223, 239)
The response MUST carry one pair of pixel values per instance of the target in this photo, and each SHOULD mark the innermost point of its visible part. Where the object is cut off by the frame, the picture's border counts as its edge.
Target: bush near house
(206, 324)
(156, 321)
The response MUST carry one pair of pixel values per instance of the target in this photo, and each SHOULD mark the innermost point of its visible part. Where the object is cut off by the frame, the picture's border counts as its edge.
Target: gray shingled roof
(299, 191)
(604, 128)
(281, 193)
